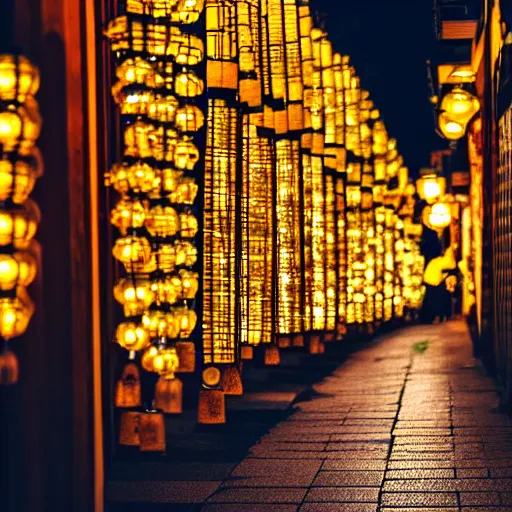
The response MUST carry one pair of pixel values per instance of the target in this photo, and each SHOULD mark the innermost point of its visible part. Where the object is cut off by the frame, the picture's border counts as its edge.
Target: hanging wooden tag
(128, 392)
(129, 428)
(247, 353)
(272, 356)
(152, 432)
(169, 396)
(314, 344)
(298, 341)
(232, 381)
(211, 408)
(284, 342)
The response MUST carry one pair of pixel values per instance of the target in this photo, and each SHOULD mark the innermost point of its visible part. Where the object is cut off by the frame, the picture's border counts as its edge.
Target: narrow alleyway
(394, 428)
(409, 422)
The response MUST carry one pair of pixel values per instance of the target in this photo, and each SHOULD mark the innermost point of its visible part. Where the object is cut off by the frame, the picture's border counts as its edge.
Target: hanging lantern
(17, 178)
(139, 177)
(19, 269)
(440, 216)
(166, 362)
(456, 110)
(128, 214)
(431, 187)
(19, 78)
(18, 225)
(135, 295)
(162, 221)
(186, 154)
(15, 314)
(131, 249)
(189, 85)
(132, 337)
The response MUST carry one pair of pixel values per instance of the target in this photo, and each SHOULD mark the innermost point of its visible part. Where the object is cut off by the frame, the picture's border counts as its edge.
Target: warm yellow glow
(440, 216)
(452, 130)
(17, 179)
(460, 105)
(19, 78)
(165, 362)
(132, 336)
(19, 225)
(162, 221)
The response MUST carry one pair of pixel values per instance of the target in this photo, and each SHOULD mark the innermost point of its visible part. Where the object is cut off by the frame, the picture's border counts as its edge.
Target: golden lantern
(20, 128)
(460, 105)
(132, 336)
(163, 108)
(452, 130)
(139, 177)
(431, 187)
(167, 182)
(17, 179)
(18, 269)
(135, 295)
(161, 324)
(167, 289)
(130, 250)
(440, 216)
(134, 71)
(18, 225)
(186, 154)
(134, 103)
(19, 78)
(189, 85)
(189, 119)
(15, 314)
(456, 110)
(186, 253)
(189, 225)
(128, 214)
(162, 221)
(165, 258)
(190, 284)
(148, 356)
(166, 362)
(187, 319)
(186, 192)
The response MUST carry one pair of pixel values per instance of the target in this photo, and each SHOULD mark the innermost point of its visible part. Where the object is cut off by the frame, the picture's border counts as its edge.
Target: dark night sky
(388, 42)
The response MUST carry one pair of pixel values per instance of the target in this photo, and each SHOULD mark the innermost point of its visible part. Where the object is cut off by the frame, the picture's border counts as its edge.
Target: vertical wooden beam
(57, 411)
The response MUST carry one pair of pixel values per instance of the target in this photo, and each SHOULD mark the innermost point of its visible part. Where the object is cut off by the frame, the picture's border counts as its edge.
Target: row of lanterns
(157, 89)
(20, 166)
(306, 228)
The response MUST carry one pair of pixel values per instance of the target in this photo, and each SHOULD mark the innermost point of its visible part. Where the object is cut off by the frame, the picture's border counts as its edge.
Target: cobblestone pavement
(393, 429)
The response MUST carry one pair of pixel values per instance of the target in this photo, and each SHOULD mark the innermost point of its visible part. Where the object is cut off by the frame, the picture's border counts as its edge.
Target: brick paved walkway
(393, 429)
